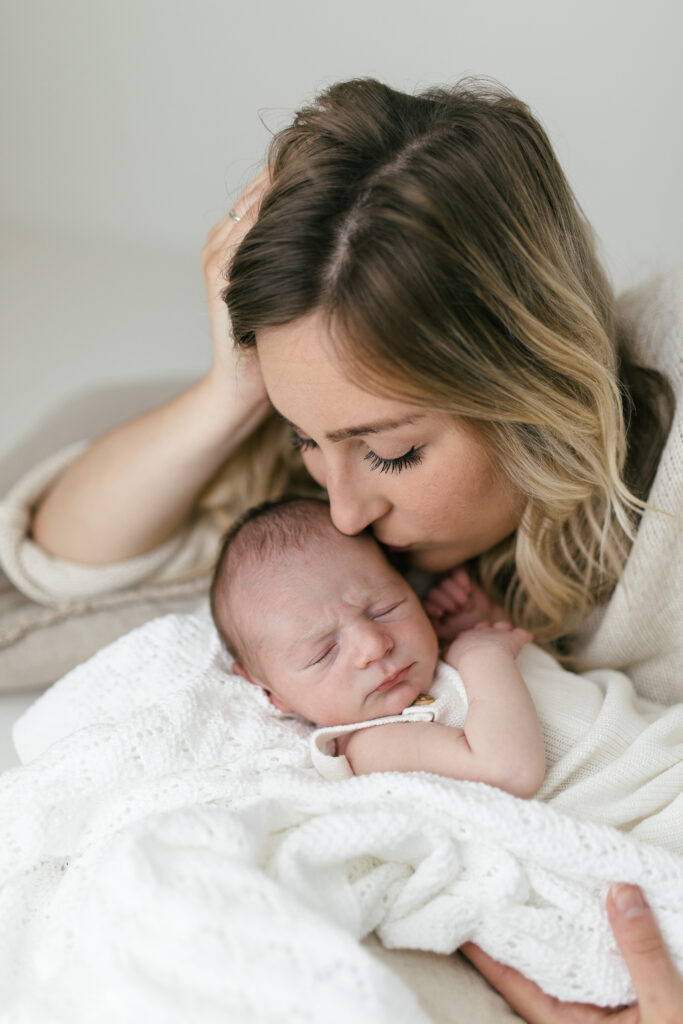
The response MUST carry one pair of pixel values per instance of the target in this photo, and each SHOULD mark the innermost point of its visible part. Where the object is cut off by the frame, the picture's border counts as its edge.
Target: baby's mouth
(397, 677)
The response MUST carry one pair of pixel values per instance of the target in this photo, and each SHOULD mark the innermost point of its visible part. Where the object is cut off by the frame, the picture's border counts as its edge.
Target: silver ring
(231, 213)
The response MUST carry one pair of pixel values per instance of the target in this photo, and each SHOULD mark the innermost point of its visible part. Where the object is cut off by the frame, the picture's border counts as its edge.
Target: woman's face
(418, 478)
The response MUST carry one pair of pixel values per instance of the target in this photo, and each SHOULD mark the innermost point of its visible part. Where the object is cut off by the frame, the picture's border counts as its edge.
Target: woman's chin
(432, 560)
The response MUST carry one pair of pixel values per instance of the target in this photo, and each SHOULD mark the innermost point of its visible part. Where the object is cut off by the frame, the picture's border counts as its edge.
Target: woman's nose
(372, 643)
(352, 509)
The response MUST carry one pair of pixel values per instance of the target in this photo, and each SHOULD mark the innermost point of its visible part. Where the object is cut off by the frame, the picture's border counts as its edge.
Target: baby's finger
(459, 593)
(441, 600)
(433, 610)
(462, 578)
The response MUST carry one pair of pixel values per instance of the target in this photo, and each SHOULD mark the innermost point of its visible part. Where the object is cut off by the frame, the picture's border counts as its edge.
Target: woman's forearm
(136, 485)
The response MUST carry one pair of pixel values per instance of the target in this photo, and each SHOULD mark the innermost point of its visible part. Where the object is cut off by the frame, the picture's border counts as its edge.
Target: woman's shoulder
(639, 630)
(650, 317)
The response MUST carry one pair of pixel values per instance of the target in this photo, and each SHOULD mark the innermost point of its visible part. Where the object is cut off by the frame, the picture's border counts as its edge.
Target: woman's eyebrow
(378, 427)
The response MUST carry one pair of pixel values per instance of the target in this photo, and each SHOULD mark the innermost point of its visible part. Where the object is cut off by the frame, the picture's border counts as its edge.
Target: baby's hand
(483, 636)
(456, 604)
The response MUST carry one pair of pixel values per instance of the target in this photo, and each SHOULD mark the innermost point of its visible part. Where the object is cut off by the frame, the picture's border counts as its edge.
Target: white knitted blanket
(170, 854)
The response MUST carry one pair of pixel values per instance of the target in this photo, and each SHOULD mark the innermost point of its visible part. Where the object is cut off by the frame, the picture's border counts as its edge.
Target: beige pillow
(39, 644)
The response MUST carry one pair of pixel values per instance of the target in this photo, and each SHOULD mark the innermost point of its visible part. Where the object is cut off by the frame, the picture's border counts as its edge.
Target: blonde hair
(441, 239)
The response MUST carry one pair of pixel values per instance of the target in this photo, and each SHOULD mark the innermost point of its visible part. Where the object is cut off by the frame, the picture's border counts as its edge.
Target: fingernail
(629, 900)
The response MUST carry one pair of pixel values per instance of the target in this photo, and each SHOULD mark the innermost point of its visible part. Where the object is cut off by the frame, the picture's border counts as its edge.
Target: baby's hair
(262, 533)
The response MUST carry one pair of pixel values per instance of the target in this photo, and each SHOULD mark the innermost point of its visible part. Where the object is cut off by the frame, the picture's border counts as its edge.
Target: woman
(414, 289)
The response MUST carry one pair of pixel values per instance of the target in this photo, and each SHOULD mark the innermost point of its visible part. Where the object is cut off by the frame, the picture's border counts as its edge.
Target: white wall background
(129, 126)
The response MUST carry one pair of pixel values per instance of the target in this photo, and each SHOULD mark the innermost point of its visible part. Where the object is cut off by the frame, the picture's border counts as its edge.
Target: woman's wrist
(94, 513)
(233, 406)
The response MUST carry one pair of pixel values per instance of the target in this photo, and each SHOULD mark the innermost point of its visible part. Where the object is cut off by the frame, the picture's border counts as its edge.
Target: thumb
(658, 985)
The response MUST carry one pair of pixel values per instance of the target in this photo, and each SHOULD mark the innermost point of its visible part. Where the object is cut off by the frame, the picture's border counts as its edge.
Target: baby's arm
(501, 742)
(502, 727)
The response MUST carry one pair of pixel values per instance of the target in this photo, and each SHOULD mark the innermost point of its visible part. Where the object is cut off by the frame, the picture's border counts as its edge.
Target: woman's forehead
(304, 378)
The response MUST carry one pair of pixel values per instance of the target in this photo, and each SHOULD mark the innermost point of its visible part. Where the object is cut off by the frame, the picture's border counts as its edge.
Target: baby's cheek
(424, 641)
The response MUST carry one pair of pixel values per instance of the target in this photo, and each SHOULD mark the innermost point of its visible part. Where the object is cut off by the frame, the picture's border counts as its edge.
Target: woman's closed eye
(302, 444)
(410, 458)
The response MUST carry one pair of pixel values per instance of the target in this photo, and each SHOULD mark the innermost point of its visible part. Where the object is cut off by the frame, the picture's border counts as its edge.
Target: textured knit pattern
(168, 840)
(641, 632)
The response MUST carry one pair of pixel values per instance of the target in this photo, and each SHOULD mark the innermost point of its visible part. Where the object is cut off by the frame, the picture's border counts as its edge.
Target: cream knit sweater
(640, 631)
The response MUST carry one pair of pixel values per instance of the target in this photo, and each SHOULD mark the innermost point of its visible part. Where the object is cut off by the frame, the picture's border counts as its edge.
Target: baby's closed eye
(384, 612)
(325, 655)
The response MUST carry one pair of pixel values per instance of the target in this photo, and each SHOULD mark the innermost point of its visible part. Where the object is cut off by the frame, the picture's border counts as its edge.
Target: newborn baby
(331, 631)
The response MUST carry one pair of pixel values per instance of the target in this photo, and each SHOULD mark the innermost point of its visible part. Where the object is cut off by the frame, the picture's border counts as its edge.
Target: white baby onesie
(446, 703)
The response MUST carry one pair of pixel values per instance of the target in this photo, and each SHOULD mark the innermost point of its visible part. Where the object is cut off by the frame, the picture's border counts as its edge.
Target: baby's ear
(239, 670)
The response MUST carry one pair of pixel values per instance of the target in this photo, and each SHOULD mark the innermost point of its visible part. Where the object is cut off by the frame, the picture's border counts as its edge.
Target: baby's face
(339, 635)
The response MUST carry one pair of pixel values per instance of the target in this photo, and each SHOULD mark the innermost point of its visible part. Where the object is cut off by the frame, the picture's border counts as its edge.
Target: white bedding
(168, 842)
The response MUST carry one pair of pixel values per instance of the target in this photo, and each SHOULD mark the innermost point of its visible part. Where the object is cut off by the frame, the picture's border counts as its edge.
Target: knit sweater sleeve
(56, 581)
(640, 631)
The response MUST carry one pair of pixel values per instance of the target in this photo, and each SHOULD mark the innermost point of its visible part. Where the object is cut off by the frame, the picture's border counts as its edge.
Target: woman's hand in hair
(94, 514)
(659, 987)
(234, 373)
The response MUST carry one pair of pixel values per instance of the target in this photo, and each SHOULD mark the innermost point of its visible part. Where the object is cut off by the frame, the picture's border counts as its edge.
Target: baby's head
(321, 621)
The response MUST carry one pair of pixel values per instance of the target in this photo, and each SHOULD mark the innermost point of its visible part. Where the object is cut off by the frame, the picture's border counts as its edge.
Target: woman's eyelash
(411, 458)
(302, 444)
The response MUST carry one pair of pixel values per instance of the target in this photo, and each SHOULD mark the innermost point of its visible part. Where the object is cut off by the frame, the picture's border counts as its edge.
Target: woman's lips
(398, 677)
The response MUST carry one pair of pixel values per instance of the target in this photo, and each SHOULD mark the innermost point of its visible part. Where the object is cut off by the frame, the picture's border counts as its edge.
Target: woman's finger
(256, 187)
(523, 995)
(534, 1006)
(246, 205)
(251, 195)
(658, 985)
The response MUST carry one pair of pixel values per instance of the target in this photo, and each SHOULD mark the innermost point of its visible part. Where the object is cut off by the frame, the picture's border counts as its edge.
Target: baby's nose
(373, 643)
